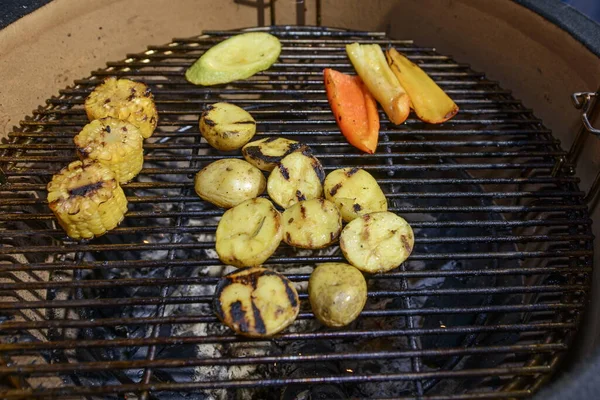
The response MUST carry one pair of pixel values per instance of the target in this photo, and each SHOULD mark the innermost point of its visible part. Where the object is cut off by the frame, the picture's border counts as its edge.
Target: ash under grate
(486, 304)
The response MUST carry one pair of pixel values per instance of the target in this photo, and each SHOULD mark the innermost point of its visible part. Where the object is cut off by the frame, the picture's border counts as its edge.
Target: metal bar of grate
(485, 307)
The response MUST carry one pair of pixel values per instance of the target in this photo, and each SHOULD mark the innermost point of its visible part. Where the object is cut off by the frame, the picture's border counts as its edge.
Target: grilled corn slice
(86, 199)
(114, 143)
(124, 99)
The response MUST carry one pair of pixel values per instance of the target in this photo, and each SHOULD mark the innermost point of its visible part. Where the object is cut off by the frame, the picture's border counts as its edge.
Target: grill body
(485, 307)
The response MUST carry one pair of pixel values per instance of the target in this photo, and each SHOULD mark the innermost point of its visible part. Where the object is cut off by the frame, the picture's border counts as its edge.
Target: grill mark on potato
(245, 122)
(356, 207)
(288, 237)
(291, 294)
(209, 122)
(406, 243)
(284, 172)
(334, 189)
(238, 316)
(300, 196)
(303, 211)
(318, 168)
(270, 139)
(352, 172)
(259, 324)
(256, 153)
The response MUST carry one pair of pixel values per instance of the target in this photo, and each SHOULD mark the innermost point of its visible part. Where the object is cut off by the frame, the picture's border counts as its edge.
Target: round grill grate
(484, 308)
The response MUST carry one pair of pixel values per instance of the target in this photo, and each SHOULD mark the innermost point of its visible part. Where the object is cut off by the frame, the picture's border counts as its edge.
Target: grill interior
(484, 308)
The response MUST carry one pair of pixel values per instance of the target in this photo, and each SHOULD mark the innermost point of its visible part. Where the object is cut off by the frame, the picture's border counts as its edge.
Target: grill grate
(484, 308)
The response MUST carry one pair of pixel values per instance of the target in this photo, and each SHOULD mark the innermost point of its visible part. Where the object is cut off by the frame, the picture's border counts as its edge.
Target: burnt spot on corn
(82, 152)
(209, 122)
(153, 120)
(107, 101)
(238, 316)
(334, 189)
(367, 218)
(124, 129)
(291, 293)
(259, 324)
(351, 172)
(356, 207)
(290, 220)
(406, 243)
(107, 128)
(303, 211)
(284, 172)
(132, 95)
(301, 197)
(86, 190)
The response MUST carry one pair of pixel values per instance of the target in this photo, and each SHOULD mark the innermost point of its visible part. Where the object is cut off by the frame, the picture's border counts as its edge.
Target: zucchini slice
(238, 57)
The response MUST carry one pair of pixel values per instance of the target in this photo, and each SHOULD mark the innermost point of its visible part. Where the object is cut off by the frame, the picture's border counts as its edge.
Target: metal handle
(585, 102)
(261, 5)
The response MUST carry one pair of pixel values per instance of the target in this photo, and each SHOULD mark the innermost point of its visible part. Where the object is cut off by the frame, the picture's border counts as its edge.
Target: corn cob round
(86, 199)
(124, 99)
(114, 143)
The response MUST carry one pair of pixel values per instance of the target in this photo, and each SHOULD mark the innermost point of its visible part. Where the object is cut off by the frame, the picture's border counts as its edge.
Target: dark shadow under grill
(484, 308)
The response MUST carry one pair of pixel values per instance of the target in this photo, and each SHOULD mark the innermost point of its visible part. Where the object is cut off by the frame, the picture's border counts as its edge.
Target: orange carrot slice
(354, 108)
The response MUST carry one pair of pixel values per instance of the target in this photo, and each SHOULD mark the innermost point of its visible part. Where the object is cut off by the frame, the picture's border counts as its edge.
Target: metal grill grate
(484, 308)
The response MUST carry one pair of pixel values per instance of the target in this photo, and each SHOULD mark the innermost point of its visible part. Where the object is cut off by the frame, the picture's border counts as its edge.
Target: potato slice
(249, 233)
(430, 102)
(298, 177)
(229, 182)
(377, 242)
(311, 224)
(337, 293)
(226, 126)
(266, 153)
(256, 302)
(355, 192)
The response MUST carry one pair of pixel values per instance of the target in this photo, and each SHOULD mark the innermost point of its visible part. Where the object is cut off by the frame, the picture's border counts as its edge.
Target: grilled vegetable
(355, 192)
(86, 199)
(114, 143)
(298, 177)
(238, 57)
(229, 182)
(354, 109)
(256, 302)
(311, 224)
(371, 66)
(226, 126)
(377, 242)
(124, 99)
(337, 293)
(249, 233)
(428, 100)
(266, 153)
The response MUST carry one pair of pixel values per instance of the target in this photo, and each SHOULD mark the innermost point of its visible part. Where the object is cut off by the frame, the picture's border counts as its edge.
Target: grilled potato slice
(249, 233)
(114, 143)
(229, 182)
(298, 177)
(377, 242)
(256, 302)
(86, 199)
(226, 126)
(355, 192)
(124, 99)
(266, 153)
(337, 293)
(311, 224)
(237, 57)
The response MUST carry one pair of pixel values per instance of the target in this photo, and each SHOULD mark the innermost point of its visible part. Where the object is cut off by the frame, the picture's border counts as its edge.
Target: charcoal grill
(485, 307)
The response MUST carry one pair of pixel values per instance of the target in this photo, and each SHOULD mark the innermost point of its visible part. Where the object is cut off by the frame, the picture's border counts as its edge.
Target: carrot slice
(354, 108)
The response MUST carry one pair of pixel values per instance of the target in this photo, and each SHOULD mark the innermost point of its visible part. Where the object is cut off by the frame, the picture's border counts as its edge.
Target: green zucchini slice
(235, 58)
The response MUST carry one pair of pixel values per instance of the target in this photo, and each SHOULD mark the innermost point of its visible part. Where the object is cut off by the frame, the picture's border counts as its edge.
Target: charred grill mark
(303, 211)
(352, 172)
(356, 207)
(238, 316)
(259, 324)
(270, 139)
(284, 172)
(254, 152)
(209, 122)
(288, 237)
(301, 197)
(406, 243)
(334, 189)
(86, 190)
(245, 122)
(318, 168)
(291, 293)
